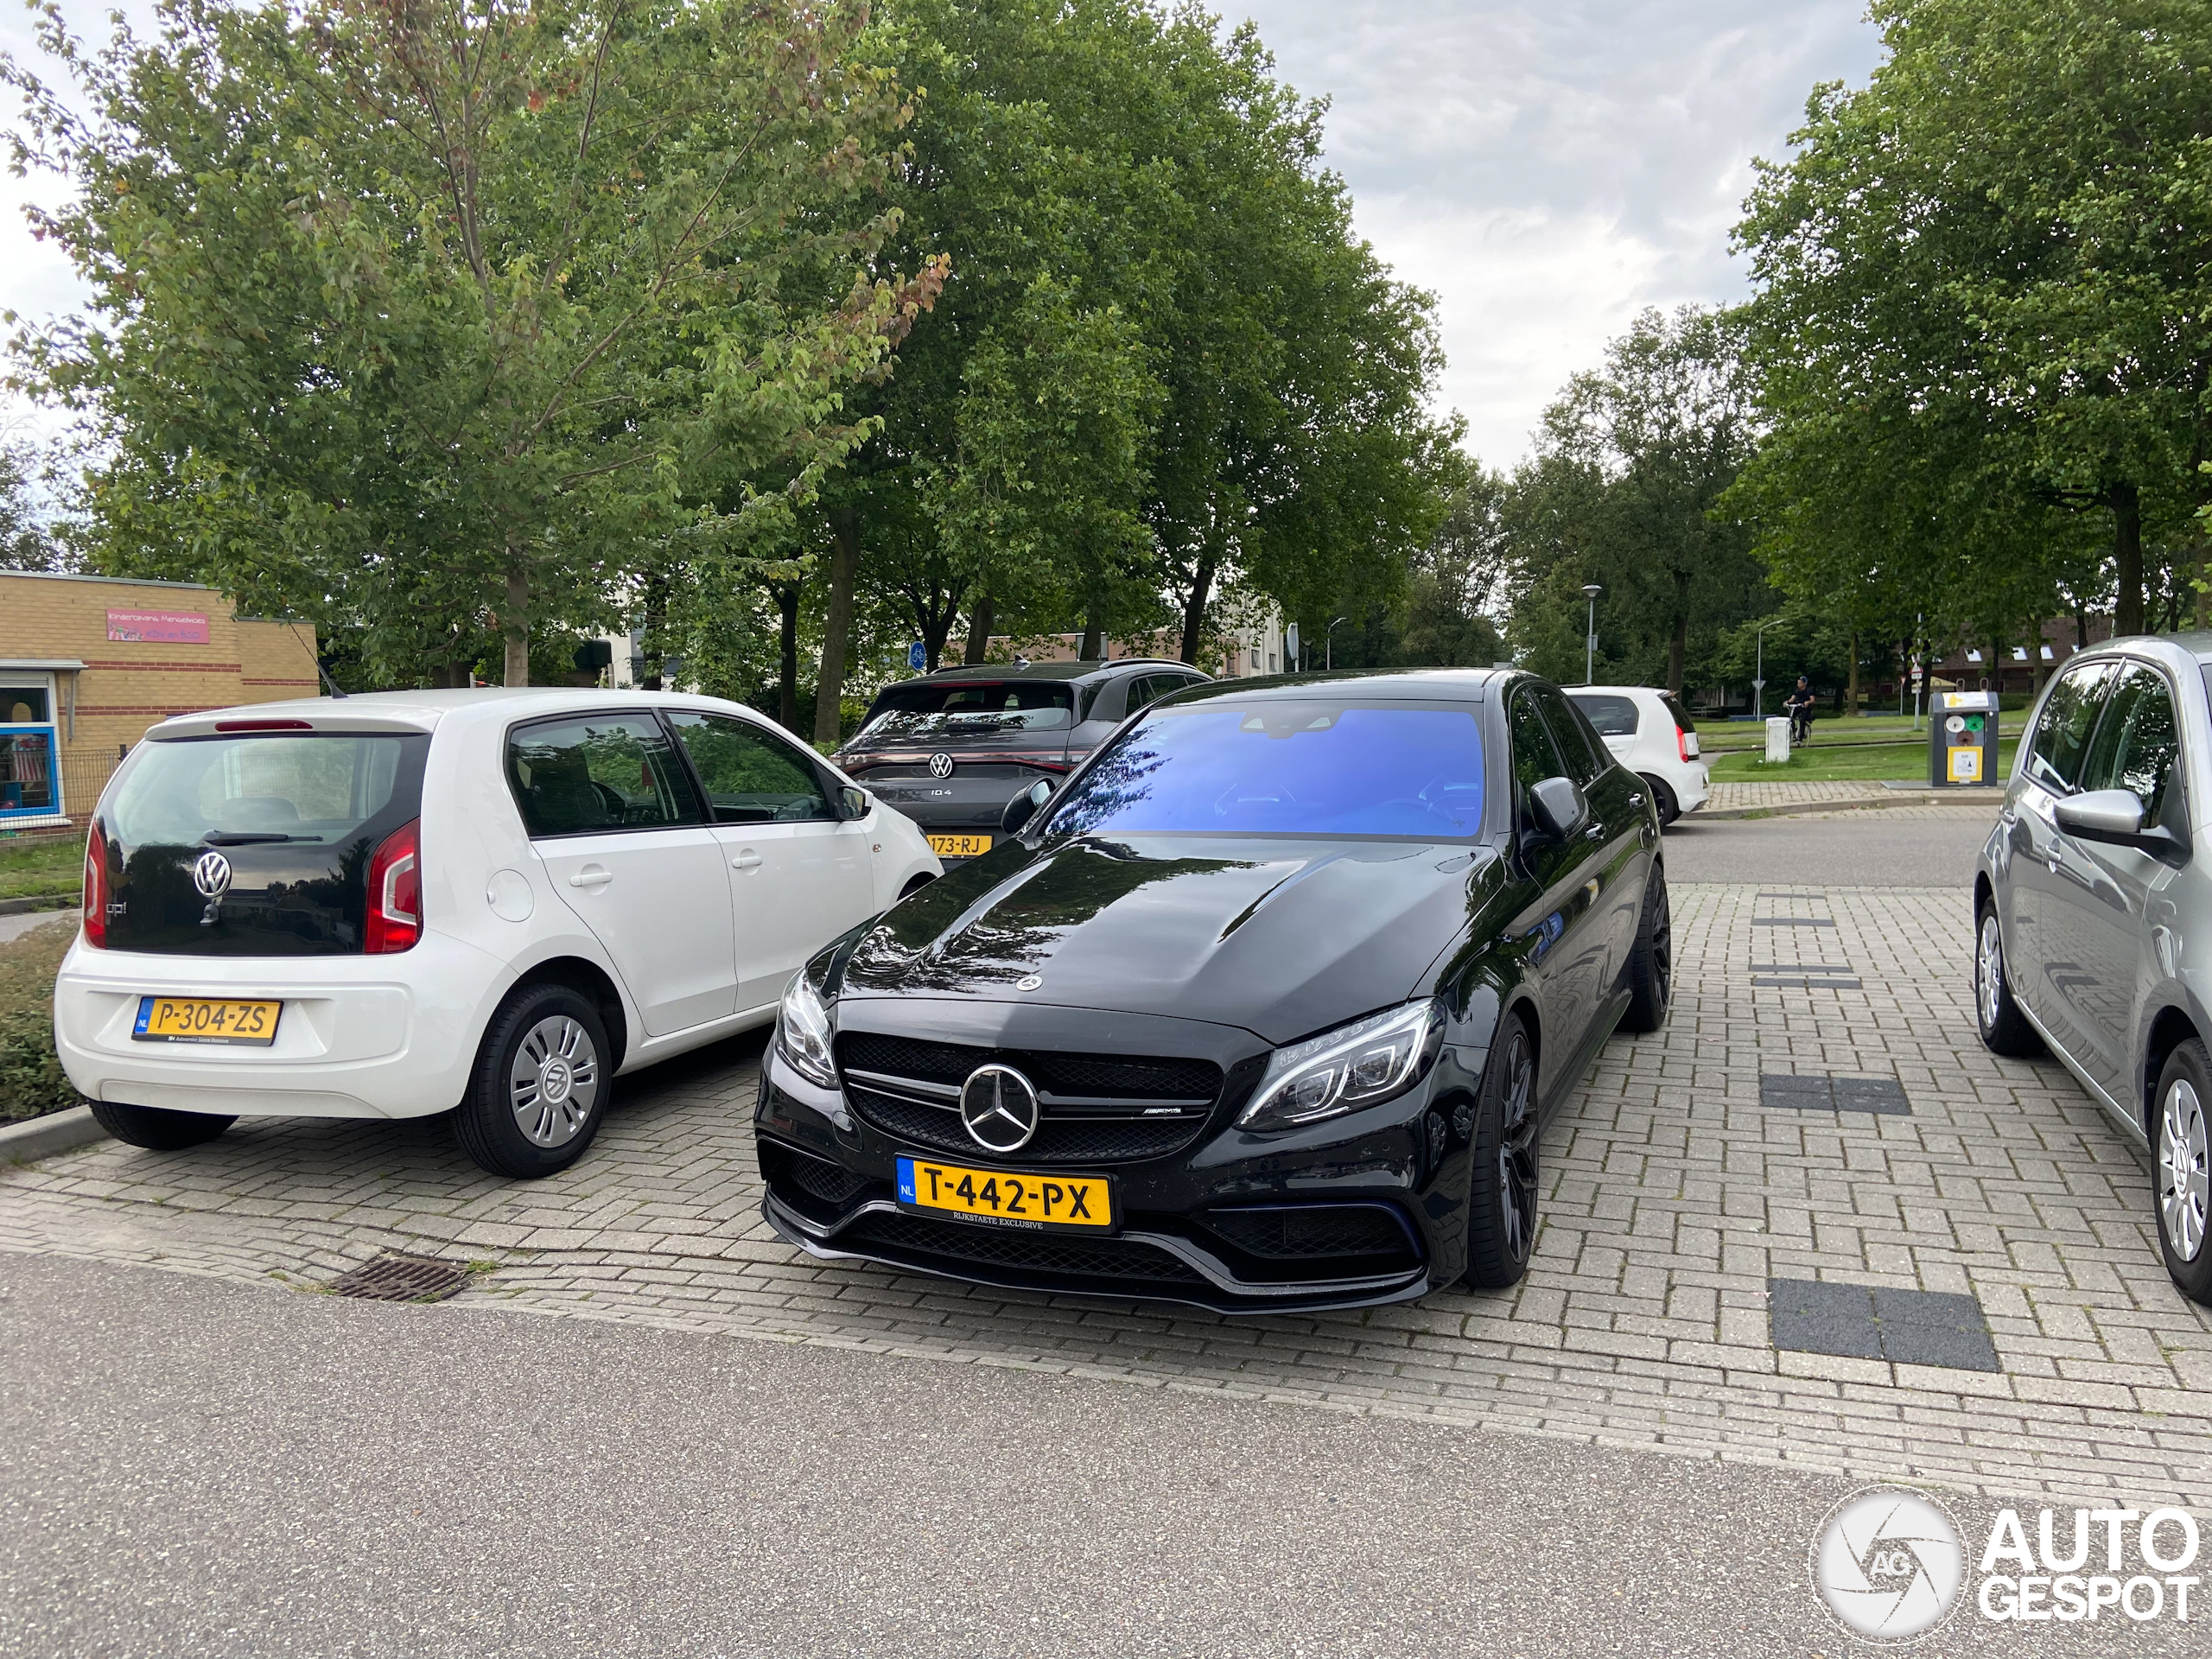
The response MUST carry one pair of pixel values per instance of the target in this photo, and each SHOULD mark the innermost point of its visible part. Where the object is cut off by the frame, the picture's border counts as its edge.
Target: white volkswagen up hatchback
(387, 905)
(1652, 734)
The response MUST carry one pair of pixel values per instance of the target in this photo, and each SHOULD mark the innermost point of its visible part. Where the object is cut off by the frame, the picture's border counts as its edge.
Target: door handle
(748, 859)
(591, 878)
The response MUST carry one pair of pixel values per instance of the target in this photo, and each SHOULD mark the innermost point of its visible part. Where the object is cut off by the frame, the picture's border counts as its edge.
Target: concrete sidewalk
(1745, 800)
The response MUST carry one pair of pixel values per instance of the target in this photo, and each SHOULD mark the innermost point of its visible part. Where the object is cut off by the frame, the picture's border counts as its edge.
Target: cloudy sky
(1547, 167)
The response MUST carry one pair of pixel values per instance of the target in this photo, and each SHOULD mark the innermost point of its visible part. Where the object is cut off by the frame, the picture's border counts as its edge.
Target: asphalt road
(190, 1466)
(1910, 847)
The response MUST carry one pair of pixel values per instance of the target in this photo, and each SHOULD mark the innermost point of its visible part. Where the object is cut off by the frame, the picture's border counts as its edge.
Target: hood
(1282, 937)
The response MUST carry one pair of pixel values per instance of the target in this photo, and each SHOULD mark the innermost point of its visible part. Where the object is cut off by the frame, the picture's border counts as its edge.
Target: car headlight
(1341, 1071)
(803, 1034)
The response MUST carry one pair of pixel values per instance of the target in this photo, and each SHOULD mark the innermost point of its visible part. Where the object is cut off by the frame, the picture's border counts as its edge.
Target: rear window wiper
(248, 837)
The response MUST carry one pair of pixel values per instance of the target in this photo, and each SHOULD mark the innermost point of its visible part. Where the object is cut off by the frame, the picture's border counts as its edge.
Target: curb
(41, 1137)
(41, 902)
(1792, 809)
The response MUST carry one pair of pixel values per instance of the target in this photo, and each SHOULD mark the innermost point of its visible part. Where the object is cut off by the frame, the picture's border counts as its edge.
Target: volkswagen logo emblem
(1000, 1107)
(211, 873)
(940, 765)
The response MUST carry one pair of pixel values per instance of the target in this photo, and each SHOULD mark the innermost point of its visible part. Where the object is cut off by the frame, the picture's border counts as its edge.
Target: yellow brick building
(88, 663)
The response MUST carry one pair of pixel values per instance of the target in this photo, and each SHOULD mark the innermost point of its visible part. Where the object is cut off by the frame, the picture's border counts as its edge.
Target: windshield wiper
(248, 837)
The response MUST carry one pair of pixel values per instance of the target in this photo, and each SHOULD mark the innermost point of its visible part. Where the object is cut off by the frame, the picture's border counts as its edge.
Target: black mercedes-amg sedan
(1265, 1009)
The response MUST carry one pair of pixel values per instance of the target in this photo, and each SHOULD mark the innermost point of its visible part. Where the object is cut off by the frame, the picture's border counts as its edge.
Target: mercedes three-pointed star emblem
(1000, 1108)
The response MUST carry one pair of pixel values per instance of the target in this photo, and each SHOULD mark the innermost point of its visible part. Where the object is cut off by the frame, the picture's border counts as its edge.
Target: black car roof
(994, 673)
(1409, 684)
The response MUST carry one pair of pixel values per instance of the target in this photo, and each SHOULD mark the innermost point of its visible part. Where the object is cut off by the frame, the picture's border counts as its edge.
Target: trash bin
(1777, 737)
(1962, 739)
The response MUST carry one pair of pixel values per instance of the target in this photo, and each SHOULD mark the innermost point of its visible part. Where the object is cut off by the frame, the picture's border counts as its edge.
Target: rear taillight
(1682, 743)
(395, 920)
(96, 891)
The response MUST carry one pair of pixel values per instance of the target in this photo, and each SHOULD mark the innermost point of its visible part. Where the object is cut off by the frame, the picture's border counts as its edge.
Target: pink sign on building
(157, 628)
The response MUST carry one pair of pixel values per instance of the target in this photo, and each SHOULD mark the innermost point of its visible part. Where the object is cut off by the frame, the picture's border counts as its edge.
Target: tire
(2004, 1030)
(1651, 963)
(916, 885)
(2181, 1169)
(1663, 798)
(156, 1128)
(544, 1075)
(1501, 1190)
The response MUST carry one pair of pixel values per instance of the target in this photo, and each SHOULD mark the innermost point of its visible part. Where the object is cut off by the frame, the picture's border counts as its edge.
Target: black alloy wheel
(1663, 798)
(1651, 963)
(157, 1129)
(2004, 1030)
(1502, 1197)
(541, 1085)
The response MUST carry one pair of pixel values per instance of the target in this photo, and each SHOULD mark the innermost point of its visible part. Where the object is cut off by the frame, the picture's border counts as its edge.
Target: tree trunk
(652, 646)
(837, 626)
(514, 619)
(1851, 696)
(2126, 503)
(979, 629)
(787, 702)
(2037, 673)
(2201, 617)
(1194, 608)
(1995, 664)
(1678, 646)
(1093, 648)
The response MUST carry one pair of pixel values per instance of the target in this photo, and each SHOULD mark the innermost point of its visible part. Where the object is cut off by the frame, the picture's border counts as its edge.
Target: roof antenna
(328, 684)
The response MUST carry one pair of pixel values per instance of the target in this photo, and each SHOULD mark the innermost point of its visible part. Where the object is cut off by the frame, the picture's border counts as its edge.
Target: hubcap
(1989, 971)
(2185, 1170)
(554, 1083)
(1517, 1149)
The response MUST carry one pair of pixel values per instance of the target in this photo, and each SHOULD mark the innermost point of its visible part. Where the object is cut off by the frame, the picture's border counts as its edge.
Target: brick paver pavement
(1672, 1196)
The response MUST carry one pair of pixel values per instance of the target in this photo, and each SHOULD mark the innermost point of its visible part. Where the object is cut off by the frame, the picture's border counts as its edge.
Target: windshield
(294, 819)
(255, 788)
(1286, 768)
(970, 709)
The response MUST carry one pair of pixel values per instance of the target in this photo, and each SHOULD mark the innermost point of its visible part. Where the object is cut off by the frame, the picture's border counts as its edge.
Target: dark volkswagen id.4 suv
(950, 750)
(1264, 1009)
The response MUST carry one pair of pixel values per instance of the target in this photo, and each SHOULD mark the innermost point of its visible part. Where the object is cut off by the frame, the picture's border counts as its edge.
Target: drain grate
(402, 1279)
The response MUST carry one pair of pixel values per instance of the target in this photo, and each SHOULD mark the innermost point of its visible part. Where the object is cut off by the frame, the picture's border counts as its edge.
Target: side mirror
(852, 802)
(1024, 806)
(2115, 817)
(1557, 806)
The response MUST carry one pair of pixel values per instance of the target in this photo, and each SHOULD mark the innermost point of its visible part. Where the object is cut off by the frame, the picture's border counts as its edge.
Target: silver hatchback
(2093, 911)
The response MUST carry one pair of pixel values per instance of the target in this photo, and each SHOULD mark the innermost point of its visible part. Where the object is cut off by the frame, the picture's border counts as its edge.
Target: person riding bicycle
(1799, 705)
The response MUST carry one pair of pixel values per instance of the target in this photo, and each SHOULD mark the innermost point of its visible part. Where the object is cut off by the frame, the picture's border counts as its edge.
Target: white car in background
(1652, 734)
(393, 905)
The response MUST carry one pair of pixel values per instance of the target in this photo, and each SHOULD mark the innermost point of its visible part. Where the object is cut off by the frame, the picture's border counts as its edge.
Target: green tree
(1624, 492)
(26, 538)
(1164, 369)
(1984, 309)
(407, 314)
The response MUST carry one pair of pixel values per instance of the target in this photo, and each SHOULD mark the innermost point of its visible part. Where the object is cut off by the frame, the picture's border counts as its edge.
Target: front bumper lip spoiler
(1235, 1296)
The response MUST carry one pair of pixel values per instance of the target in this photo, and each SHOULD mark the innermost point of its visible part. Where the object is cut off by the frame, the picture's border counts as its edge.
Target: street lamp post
(1589, 592)
(1759, 669)
(1329, 644)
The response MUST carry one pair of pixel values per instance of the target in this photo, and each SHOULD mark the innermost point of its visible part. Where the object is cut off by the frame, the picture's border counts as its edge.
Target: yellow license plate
(993, 1195)
(959, 846)
(205, 1020)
